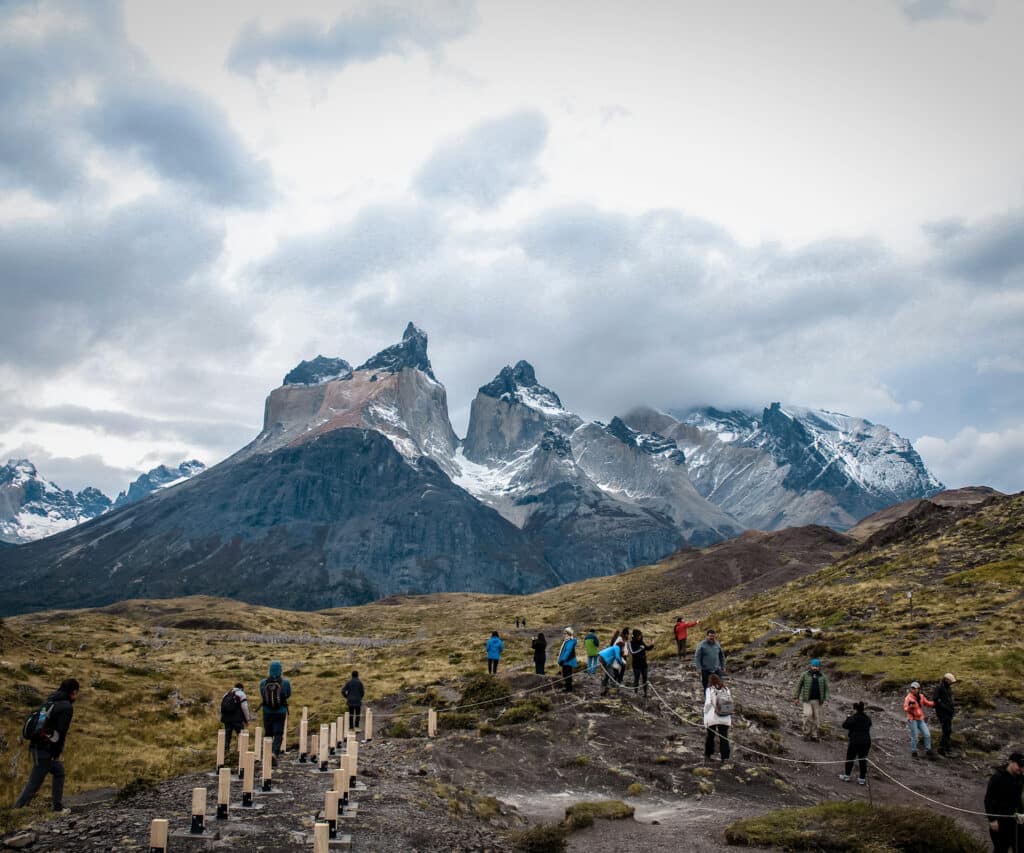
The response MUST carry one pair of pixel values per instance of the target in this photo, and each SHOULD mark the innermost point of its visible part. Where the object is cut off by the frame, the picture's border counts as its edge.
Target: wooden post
(220, 748)
(353, 750)
(324, 745)
(243, 748)
(224, 792)
(248, 781)
(303, 739)
(344, 726)
(198, 810)
(368, 724)
(158, 836)
(321, 838)
(341, 782)
(305, 713)
(339, 728)
(431, 723)
(350, 767)
(257, 739)
(333, 738)
(331, 813)
(314, 748)
(267, 766)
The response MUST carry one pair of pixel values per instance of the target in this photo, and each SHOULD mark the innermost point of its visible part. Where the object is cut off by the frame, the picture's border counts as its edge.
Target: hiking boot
(862, 781)
(930, 755)
(913, 754)
(58, 810)
(843, 777)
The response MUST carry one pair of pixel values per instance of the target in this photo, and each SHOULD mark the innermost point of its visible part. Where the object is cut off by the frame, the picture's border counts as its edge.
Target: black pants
(705, 674)
(610, 675)
(640, 672)
(492, 666)
(43, 763)
(858, 751)
(273, 727)
(230, 729)
(354, 713)
(945, 743)
(722, 731)
(538, 666)
(1007, 838)
(567, 678)
(681, 647)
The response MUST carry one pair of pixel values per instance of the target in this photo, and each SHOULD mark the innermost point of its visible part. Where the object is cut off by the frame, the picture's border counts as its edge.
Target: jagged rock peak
(519, 385)
(319, 370)
(411, 352)
(159, 478)
(651, 443)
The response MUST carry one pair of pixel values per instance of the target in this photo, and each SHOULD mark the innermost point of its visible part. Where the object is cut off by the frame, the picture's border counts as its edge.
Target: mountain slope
(31, 507)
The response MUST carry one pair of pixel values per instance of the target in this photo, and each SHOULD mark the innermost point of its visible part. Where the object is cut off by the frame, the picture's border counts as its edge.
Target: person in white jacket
(716, 699)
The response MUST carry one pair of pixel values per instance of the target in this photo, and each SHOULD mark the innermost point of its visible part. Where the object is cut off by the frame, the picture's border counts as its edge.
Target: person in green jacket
(590, 644)
(812, 691)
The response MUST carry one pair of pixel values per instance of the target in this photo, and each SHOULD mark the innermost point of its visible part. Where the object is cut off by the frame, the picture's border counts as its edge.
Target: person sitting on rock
(494, 649)
(914, 705)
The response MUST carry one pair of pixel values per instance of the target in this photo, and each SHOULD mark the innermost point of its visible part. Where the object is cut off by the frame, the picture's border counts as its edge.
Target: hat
(949, 677)
(815, 662)
(915, 685)
(568, 631)
(1017, 758)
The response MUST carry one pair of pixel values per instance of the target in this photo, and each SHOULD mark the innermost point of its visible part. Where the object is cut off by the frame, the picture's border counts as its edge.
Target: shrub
(106, 684)
(582, 815)
(485, 688)
(635, 790)
(545, 838)
(327, 673)
(451, 722)
(137, 786)
(522, 712)
(27, 696)
(399, 728)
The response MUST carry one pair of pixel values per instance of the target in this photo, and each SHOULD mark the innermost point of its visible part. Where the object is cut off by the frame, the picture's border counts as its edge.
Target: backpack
(230, 707)
(35, 726)
(273, 695)
(723, 703)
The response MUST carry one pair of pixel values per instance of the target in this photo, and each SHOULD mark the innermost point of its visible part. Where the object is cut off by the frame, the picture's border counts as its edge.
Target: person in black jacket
(945, 708)
(353, 693)
(49, 744)
(638, 655)
(1004, 807)
(540, 653)
(858, 726)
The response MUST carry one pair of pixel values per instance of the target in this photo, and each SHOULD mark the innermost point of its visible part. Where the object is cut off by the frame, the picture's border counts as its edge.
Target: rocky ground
(472, 789)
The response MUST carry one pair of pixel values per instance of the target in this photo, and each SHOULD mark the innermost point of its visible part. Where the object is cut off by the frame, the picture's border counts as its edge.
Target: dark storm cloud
(377, 31)
(487, 163)
(988, 253)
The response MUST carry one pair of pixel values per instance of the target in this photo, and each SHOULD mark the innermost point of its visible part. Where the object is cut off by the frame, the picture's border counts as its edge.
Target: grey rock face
(411, 352)
(158, 478)
(317, 371)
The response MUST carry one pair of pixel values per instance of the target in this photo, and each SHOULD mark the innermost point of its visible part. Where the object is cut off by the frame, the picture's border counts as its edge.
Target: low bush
(582, 815)
(545, 838)
(485, 689)
(453, 721)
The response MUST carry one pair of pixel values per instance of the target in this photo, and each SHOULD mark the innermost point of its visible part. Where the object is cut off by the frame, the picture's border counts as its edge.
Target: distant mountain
(160, 477)
(32, 507)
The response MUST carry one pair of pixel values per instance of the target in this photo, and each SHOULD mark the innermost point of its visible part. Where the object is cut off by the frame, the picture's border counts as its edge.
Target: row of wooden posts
(327, 742)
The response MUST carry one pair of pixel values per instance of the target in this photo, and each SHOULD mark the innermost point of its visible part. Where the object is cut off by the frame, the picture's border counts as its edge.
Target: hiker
(48, 744)
(274, 693)
(945, 708)
(612, 664)
(914, 705)
(812, 692)
(681, 627)
(494, 649)
(592, 647)
(717, 717)
(638, 655)
(858, 727)
(622, 638)
(234, 713)
(540, 652)
(709, 658)
(1003, 797)
(567, 658)
(353, 693)
(517, 621)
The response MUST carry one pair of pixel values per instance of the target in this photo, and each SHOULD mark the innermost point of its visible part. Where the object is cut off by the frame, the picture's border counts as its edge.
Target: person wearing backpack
(612, 664)
(540, 652)
(46, 743)
(592, 647)
(718, 708)
(858, 725)
(945, 708)
(234, 713)
(274, 694)
(567, 659)
(353, 694)
(812, 692)
(494, 649)
(638, 655)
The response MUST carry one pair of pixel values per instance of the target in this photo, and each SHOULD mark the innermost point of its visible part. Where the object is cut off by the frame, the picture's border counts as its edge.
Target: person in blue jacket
(567, 659)
(612, 665)
(494, 649)
(274, 694)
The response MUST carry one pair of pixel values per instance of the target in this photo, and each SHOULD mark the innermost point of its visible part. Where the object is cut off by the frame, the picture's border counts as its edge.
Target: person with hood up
(234, 713)
(858, 726)
(914, 705)
(638, 655)
(717, 717)
(945, 708)
(612, 665)
(540, 652)
(47, 746)
(494, 649)
(812, 692)
(1003, 798)
(592, 647)
(567, 659)
(353, 694)
(275, 691)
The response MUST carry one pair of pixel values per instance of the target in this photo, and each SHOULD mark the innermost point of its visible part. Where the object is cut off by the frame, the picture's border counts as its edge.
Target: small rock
(20, 840)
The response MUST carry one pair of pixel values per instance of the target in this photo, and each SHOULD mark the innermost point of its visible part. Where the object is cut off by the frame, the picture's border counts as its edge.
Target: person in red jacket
(680, 632)
(914, 705)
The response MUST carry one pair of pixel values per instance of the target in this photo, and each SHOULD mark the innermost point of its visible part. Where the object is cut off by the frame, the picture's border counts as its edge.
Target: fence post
(267, 765)
(158, 836)
(198, 810)
(248, 781)
(224, 792)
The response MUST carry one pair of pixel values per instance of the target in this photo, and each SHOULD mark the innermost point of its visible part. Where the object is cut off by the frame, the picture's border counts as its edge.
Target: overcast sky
(674, 203)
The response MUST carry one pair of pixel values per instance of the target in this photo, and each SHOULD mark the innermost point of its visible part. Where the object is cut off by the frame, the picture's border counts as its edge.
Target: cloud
(486, 164)
(376, 31)
(75, 473)
(974, 457)
(988, 252)
(974, 11)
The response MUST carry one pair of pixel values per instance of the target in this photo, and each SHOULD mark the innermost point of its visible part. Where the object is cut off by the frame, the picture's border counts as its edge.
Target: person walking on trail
(914, 705)
(622, 638)
(638, 655)
(945, 708)
(567, 658)
(680, 629)
(592, 647)
(234, 713)
(812, 692)
(718, 710)
(709, 658)
(1003, 797)
(353, 693)
(612, 665)
(274, 694)
(47, 744)
(494, 649)
(858, 727)
(540, 653)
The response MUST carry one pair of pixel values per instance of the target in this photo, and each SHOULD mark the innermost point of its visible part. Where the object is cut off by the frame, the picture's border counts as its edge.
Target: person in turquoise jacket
(590, 643)
(613, 666)
(567, 659)
(494, 649)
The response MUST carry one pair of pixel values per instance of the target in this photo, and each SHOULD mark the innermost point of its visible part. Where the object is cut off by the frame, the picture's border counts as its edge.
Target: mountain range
(358, 488)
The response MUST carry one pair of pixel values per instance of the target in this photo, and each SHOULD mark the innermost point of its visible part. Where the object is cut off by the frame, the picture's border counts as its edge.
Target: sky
(668, 203)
